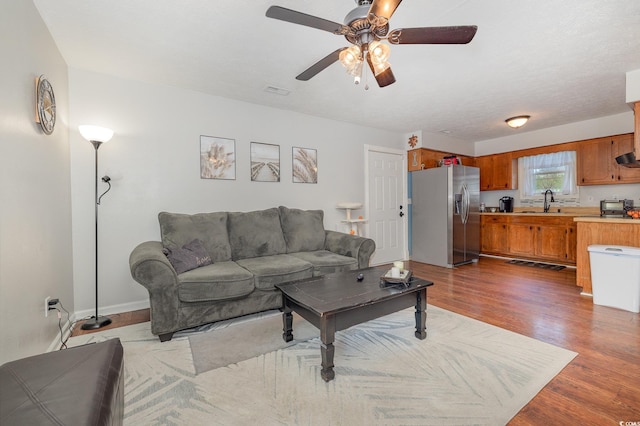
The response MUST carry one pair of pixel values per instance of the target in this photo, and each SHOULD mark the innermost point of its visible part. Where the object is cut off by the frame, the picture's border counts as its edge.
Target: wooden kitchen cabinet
(624, 144)
(522, 239)
(597, 161)
(497, 171)
(572, 243)
(493, 231)
(423, 158)
(533, 237)
(551, 241)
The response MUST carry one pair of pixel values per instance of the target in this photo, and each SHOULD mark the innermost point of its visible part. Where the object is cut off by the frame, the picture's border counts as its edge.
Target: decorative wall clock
(45, 105)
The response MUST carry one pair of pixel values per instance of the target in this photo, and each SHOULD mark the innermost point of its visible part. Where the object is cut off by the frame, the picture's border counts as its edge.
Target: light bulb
(379, 52)
(349, 57)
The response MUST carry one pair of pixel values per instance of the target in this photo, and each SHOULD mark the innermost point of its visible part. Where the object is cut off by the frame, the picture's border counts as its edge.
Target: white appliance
(445, 224)
(615, 276)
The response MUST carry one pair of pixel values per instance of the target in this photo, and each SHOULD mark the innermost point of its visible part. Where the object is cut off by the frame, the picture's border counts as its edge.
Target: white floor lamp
(97, 136)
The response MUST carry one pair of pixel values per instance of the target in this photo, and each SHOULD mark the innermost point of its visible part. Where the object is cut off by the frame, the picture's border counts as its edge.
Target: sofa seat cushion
(255, 234)
(178, 229)
(219, 281)
(303, 229)
(326, 262)
(280, 268)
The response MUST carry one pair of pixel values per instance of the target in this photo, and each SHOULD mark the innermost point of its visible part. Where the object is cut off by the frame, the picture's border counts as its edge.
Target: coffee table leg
(327, 335)
(421, 314)
(287, 323)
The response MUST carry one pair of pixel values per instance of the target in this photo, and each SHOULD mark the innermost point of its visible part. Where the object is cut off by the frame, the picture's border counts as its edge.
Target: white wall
(153, 160)
(441, 142)
(35, 199)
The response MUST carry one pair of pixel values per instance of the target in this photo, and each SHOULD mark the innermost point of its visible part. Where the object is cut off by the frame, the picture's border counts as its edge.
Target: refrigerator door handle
(465, 203)
(468, 204)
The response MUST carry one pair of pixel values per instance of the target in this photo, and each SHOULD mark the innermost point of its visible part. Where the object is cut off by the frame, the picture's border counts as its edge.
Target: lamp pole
(96, 321)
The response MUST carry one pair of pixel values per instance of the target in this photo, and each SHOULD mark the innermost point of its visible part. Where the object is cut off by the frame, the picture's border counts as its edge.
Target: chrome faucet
(546, 203)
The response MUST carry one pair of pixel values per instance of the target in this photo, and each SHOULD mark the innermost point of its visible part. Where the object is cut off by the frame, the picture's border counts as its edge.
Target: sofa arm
(359, 248)
(150, 267)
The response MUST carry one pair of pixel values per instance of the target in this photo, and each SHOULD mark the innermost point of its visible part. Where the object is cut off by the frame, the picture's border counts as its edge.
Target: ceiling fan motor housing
(361, 29)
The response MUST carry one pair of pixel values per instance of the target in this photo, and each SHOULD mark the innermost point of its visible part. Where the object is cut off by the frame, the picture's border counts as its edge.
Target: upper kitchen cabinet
(497, 171)
(624, 144)
(597, 161)
(423, 158)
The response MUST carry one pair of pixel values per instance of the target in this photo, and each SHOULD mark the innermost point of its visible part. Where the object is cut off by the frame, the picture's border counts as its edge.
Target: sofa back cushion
(255, 234)
(177, 229)
(303, 229)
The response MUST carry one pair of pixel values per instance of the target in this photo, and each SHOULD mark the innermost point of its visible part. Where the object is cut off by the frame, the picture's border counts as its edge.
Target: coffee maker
(506, 205)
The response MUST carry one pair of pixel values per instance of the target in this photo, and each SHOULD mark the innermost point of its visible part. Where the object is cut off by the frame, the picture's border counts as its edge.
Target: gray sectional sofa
(215, 266)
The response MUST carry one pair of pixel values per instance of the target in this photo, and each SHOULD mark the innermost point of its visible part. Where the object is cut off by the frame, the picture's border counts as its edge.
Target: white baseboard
(87, 313)
(62, 337)
(113, 309)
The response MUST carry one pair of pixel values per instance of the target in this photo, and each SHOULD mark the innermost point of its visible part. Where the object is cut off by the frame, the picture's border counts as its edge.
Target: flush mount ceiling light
(519, 121)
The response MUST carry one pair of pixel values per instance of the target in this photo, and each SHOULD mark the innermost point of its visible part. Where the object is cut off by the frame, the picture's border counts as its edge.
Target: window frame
(558, 195)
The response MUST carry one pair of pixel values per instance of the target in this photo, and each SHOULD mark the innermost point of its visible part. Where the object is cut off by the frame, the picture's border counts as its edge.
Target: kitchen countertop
(577, 217)
(529, 214)
(599, 219)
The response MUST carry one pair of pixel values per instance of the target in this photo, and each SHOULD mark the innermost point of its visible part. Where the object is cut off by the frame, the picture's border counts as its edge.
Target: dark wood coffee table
(338, 301)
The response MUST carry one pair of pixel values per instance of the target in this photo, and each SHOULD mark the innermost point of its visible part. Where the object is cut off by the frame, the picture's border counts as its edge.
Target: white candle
(399, 264)
(395, 272)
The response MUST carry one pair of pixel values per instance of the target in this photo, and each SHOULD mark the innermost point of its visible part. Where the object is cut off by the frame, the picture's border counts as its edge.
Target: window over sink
(555, 171)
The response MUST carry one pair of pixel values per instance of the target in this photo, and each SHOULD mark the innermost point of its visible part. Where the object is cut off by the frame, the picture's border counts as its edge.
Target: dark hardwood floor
(117, 320)
(601, 386)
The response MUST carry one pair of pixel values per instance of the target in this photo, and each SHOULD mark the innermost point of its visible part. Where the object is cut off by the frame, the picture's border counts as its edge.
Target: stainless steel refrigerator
(445, 215)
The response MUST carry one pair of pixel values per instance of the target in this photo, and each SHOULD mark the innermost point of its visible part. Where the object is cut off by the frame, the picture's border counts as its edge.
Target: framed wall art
(265, 162)
(305, 165)
(217, 158)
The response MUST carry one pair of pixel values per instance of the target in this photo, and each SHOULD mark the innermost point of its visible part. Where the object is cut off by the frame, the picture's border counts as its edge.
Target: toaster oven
(615, 208)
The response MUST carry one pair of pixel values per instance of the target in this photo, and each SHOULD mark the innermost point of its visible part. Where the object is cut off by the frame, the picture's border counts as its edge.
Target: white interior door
(386, 201)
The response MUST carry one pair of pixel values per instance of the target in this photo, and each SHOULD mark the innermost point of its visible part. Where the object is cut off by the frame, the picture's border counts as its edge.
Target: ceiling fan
(365, 27)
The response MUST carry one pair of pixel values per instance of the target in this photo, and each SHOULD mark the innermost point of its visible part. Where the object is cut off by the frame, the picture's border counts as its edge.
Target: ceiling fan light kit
(365, 27)
(518, 121)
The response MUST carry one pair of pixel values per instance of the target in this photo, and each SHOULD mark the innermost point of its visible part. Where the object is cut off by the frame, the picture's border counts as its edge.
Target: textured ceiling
(558, 61)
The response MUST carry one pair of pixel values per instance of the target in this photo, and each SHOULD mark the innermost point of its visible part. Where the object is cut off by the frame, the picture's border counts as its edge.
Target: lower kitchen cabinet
(522, 239)
(494, 234)
(535, 237)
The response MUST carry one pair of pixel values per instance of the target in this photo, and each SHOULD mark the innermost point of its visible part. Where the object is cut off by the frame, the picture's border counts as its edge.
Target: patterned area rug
(464, 372)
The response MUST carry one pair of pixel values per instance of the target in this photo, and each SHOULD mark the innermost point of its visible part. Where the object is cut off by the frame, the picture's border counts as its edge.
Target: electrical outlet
(46, 306)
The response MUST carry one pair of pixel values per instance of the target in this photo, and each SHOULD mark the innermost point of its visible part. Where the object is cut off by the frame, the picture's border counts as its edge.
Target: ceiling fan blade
(433, 35)
(288, 15)
(320, 65)
(383, 8)
(385, 78)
